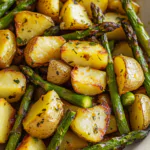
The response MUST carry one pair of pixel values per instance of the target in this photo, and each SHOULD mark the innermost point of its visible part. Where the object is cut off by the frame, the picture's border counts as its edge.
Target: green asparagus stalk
(117, 142)
(17, 128)
(138, 26)
(5, 6)
(74, 98)
(61, 131)
(6, 20)
(97, 29)
(138, 54)
(127, 99)
(115, 98)
(52, 31)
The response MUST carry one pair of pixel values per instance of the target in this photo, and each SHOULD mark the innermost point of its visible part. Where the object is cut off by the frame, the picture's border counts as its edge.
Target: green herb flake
(16, 81)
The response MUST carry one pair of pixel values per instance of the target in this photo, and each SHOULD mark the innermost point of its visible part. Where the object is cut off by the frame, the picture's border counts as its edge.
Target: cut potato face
(72, 142)
(49, 8)
(74, 17)
(31, 143)
(29, 24)
(91, 124)
(117, 34)
(7, 48)
(58, 72)
(122, 48)
(40, 50)
(115, 5)
(88, 81)
(12, 85)
(84, 53)
(129, 74)
(102, 4)
(139, 112)
(44, 116)
(7, 118)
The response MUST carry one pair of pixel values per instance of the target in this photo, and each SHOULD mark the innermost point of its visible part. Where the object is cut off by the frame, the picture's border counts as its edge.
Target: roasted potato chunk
(7, 48)
(7, 118)
(72, 142)
(58, 72)
(117, 34)
(40, 50)
(84, 53)
(115, 5)
(74, 17)
(102, 4)
(129, 74)
(12, 85)
(122, 48)
(31, 143)
(44, 116)
(112, 125)
(29, 24)
(88, 81)
(91, 123)
(139, 112)
(49, 8)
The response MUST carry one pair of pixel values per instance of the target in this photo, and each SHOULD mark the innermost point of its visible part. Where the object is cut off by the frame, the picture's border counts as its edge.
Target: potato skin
(58, 72)
(74, 17)
(84, 53)
(31, 143)
(88, 81)
(40, 50)
(49, 8)
(117, 34)
(129, 73)
(30, 24)
(91, 124)
(44, 116)
(12, 85)
(7, 119)
(139, 112)
(7, 48)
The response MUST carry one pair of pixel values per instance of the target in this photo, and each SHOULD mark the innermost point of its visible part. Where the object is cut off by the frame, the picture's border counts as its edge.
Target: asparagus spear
(5, 6)
(6, 20)
(76, 99)
(17, 128)
(100, 29)
(61, 131)
(138, 26)
(117, 142)
(52, 31)
(115, 98)
(138, 54)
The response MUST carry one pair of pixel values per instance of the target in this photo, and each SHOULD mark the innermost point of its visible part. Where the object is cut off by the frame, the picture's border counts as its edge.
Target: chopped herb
(95, 130)
(57, 72)
(44, 109)
(92, 43)
(94, 117)
(74, 50)
(16, 81)
(35, 139)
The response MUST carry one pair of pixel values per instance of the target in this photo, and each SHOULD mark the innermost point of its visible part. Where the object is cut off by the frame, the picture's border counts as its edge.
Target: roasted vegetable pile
(74, 74)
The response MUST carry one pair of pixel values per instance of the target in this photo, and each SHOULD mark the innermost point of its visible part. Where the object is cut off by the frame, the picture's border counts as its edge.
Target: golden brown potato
(91, 123)
(141, 90)
(31, 143)
(40, 50)
(117, 34)
(7, 118)
(58, 72)
(88, 81)
(84, 53)
(102, 4)
(122, 48)
(139, 112)
(49, 8)
(29, 24)
(129, 74)
(12, 85)
(74, 17)
(44, 116)
(112, 125)
(115, 5)
(72, 142)
(7, 48)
